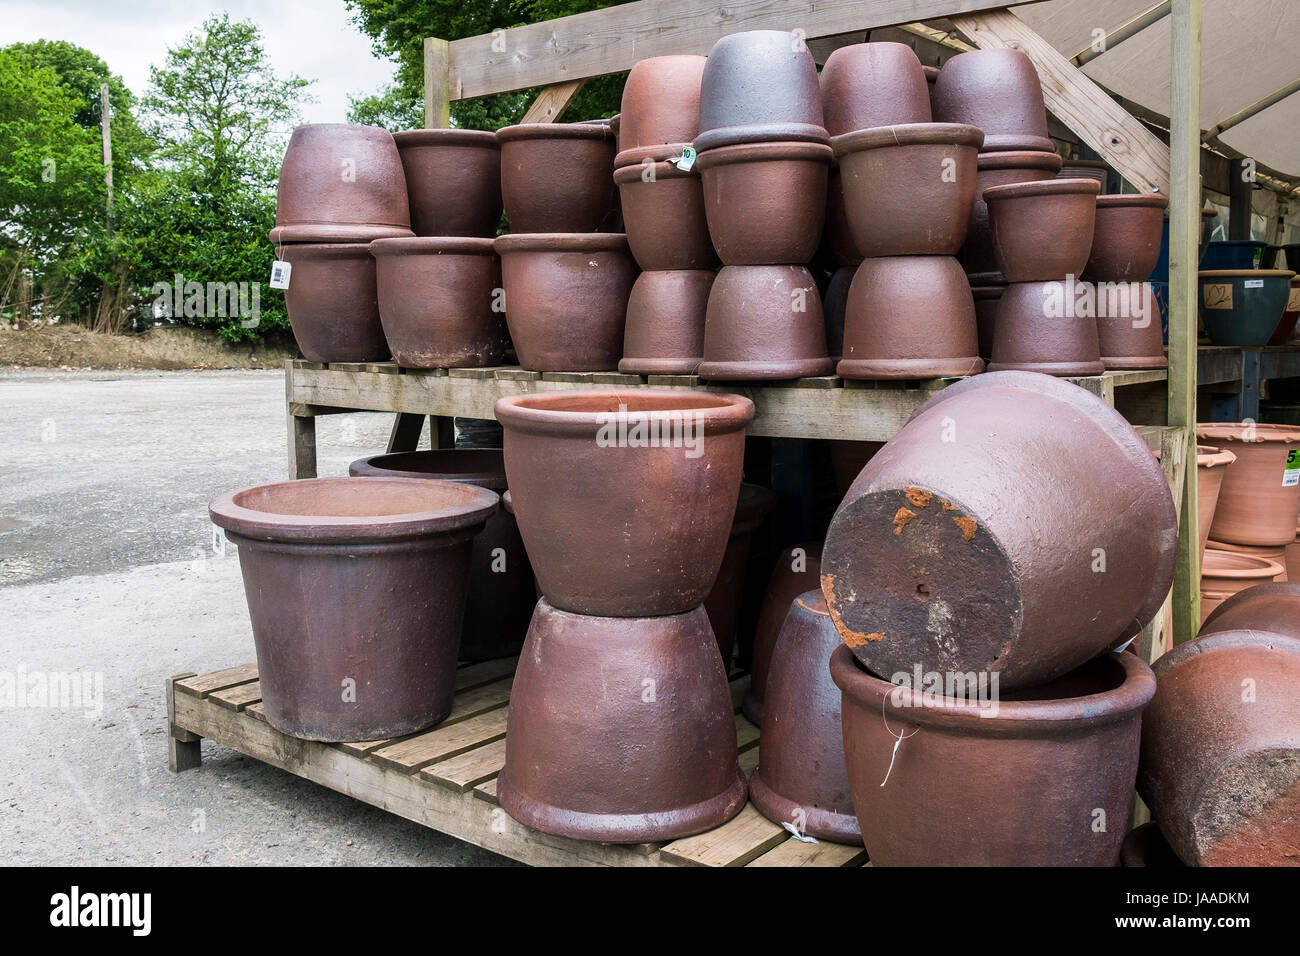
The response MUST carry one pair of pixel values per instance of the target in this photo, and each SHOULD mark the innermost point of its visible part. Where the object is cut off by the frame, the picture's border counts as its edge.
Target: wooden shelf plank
(444, 741)
(239, 697)
(205, 684)
(743, 838)
(797, 853)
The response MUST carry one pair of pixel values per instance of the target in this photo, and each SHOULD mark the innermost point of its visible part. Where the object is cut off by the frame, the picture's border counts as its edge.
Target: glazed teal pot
(1242, 307)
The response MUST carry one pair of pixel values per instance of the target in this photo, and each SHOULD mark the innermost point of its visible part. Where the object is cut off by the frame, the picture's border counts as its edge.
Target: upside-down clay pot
(625, 500)
(1211, 465)
(1225, 573)
(958, 543)
(453, 178)
(665, 323)
(355, 587)
(1128, 326)
(663, 212)
(999, 169)
(873, 84)
(998, 91)
(908, 189)
(558, 177)
(986, 299)
(764, 322)
(1265, 607)
(1126, 237)
(797, 570)
(661, 101)
(765, 202)
(333, 303)
(620, 729)
(1274, 553)
(545, 276)
(929, 798)
(436, 297)
(1147, 846)
(909, 317)
(834, 307)
(838, 235)
(1034, 330)
(1085, 169)
(723, 603)
(1221, 750)
(1042, 230)
(1259, 497)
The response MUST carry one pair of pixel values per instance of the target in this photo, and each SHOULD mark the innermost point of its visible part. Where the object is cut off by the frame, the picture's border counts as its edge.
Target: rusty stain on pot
(901, 517)
(946, 505)
(850, 637)
(968, 526)
(918, 496)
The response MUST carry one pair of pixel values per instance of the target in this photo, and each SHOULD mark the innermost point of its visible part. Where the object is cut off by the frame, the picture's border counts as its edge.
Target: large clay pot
(558, 177)
(1256, 503)
(341, 183)
(1126, 237)
(908, 189)
(332, 302)
(620, 729)
(665, 323)
(1211, 465)
(873, 84)
(986, 299)
(545, 276)
(1031, 333)
(999, 169)
(357, 580)
(759, 85)
(909, 317)
(1274, 553)
(1128, 326)
(1242, 308)
(801, 778)
(661, 101)
(1221, 749)
(797, 570)
(765, 202)
(723, 603)
(957, 546)
(998, 91)
(1271, 607)
(663, 212)
(1225, 573)
(838, 235)
(436, 298)
(1042, 230)
(764, 322)
(453, 178)
(614, 525)
(1085, 169)
(1146, 846)
(931, 799)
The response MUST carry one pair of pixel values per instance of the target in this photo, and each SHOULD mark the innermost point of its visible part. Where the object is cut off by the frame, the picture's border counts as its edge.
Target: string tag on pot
(898, 741)
(280, 274)
(686, 161)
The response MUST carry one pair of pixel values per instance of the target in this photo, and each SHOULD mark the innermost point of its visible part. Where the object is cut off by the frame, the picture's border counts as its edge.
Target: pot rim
(1088, 163)
(908, 134)
(1225, 640)
(988, 291)
(432, 246)
(778, 151)
(725, 413)
(328, 233)
(631, 173)
(525, 131)
(1232, 431)
(329, 250)
(1209, 456)
(1043, 187)
(561, 242)
(657, 153)
(1125, 200)
(446, 137)
(1271, 551)
(372, 466)
(1020, 159)
(1247, 566)
(1246, 274)
(1286, 588)
(723, 136)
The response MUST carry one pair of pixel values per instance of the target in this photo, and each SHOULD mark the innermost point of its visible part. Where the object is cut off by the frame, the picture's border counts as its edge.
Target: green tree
(388, 108)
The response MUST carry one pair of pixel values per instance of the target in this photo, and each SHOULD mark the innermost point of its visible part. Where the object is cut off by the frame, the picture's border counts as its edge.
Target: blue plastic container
(1233, 254)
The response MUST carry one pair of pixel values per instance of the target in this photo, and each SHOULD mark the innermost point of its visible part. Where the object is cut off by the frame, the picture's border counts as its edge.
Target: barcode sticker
(1291, 474)
(1254, 283)
(280, 274)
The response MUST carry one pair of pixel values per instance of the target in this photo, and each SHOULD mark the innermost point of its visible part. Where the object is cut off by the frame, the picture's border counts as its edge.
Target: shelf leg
(405, 435)
(183, 746)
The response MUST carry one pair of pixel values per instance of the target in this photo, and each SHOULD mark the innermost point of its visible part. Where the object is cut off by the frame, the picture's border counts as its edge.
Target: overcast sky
(313, 38)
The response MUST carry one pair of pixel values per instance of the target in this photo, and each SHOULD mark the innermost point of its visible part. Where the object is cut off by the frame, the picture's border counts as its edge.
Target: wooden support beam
(1120, 34)
(437, 84)
(552, 101)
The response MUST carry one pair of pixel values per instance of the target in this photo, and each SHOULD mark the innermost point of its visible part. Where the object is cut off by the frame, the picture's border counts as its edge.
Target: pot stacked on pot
(1125, 249)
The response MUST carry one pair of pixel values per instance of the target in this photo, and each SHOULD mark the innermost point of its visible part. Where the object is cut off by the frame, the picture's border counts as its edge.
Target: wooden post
(302, 432)
(405, 435)
(105, 121)
(183, 746)
(437, 84)
(1240, 195)
(552, 101)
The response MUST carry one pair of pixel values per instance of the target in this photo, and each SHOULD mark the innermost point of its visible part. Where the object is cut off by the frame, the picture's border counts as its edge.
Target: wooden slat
(617, 378)
(487, 792)
(674, 381)
(585, 379)
(480, 700)
(552, 101)
(485, 672)
(510, 373)
(256, 710)
(237, 698)
(468, 770)
(746, 733)
(205, 684)
(744, 837)
(445, 741)
(797, 853)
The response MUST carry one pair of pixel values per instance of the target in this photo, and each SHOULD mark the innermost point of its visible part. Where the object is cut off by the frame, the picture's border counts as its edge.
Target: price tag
(1254, 283)
(280, 274)
(686, 161)
(1291, 474)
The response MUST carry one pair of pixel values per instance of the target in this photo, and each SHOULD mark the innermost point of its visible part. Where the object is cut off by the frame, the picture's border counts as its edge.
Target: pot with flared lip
(333, 302)
(764, 322)
(558, 177)
(663, 212)
(997, 90)
(1259, 497)
(1042, 230)
(1036, 329)
(665, 323)
(453, 178)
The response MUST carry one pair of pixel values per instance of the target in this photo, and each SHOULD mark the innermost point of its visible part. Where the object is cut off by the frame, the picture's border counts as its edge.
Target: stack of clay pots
(1125, 249)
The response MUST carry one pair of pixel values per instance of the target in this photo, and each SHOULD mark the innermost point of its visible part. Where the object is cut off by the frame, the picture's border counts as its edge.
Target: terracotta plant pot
(1128, 326)
(759, 85)
(500, 597)
(663, 210)
(957, 544)
(1042, 230)
(999, 169)
(1242, 308)
(355, 579)
(765, 202)
(1085, 169)
(1273, 608)
(764, 322)
(1126, 237)
(661, 101)
(558, 177)
(620, 729)
(1146, 846)
(1221, 749)
(908, 189)
(1031, 334)
(998, 91)
(613, 525)
(1274, 553)
(1211, 465)
(801, 778)
(797, 570)
(873, 84)
(930, 800)
(834, 308)
(340, 183)
(665, 323)
(723, 603)
(909, 317)
(986, 299)
(838, 234)
(332, 302)
(544, 276)
(1293, 557)
(1256, 506)
(1290, 315)
(1225, 573)
(435, 301)
(453, 178)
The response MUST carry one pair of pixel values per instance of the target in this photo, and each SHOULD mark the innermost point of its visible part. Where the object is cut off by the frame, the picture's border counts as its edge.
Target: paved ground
(107, 569)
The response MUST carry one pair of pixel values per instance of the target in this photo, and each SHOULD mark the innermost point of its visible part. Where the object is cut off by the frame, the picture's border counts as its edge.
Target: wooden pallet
(445, 778)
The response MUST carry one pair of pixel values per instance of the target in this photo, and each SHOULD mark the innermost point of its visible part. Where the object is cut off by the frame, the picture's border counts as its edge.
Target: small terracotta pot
(1042, 230)
(834, 308)
(620, 729)
(332, 302)
(723, 603)
(909, 317)
(613, 525)
(665, 323)
(1146, 846)
(544, 275)
(453, 178)
(663, 210)
(838, 236)
(558, 177)
(908, 189)
(661, 101)
(355, 579)
(1255, 505)
(986, 299)
(873, 84)
(1211, 465)
(1085, 169)
(1274, 608)
(998, 91)
(1224, 573)
(1274, 553)
(929, 798)
(764, 322)
(1126, 237)
(797, 570)
(765, 202)
(999, 169)
(1128, 326)
(1031, 334)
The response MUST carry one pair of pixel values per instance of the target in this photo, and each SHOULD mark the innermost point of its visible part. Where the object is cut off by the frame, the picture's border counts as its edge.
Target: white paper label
(1254, 283)
(686, 162)
(280, 274)
(1291, 474)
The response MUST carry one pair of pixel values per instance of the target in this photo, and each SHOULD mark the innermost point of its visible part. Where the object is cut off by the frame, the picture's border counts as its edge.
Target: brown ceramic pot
(1146, 846)
(332, 302)
(558, 177)
(1128, 325)
(1042, 230)
(665, 323)
(929, 799)
(957, 545)
(1225, 573)
(1290, 315)
(1271, 607)
(908, 189)
(661, 101)
(1211, 465)
(873, 84)
(1085, 169)
(357, 580)
(764, 322)
(1126, 237)
(797, 570)
(999, 169)
(909, 317)
(1033, 331)
(1274, 553)
(453, 178)
(1256, 505)
(1221, 749)
(998, 91)
(765, 202)
(613, 525)
(834, 306)
(545, 276)
(620, 729)
(723, 602)
(986, 299)
(663, 211)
